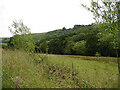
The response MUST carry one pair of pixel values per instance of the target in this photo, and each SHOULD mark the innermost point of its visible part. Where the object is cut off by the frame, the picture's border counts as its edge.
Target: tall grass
(19, 63)
(57, 71)
(91, 72)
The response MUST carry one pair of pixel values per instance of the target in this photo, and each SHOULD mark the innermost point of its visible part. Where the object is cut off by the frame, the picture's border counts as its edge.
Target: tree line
(79, 40)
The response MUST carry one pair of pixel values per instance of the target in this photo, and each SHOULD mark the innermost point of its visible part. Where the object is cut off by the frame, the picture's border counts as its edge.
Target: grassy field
(58, 71)
(3, 45)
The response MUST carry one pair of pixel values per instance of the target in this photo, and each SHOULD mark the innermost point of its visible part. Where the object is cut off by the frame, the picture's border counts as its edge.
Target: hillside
(62, 32)
(72, 41)
(79, 40)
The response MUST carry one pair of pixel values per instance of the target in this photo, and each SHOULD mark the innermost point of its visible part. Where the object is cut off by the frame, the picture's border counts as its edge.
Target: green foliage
(18, 28)
(56, 46)
(91, 43)
(22, 37)
(43, 46)
(104, 11)
(40, 37)
(80, 47)
(79, 37)
(97, 54)
(106, 16)
(68, 46)
(106, 45)
(22, 41)
(61, 41)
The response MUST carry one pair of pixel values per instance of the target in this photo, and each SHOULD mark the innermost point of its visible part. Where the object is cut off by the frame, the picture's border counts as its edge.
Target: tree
(80, 47)
(107, 15)
(63, 28)
(69, 43)
(55, 46)
(78, 37)
(44, 47)
(22, 37)
(91, 43)
(18, 28)
(106, 46)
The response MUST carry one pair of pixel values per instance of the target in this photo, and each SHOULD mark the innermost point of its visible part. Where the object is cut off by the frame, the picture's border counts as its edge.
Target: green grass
(58, 71)
(3, 45)
(19, 63)
(94, 72)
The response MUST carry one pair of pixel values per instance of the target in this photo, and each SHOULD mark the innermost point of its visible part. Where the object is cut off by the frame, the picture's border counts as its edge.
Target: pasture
(57, 71)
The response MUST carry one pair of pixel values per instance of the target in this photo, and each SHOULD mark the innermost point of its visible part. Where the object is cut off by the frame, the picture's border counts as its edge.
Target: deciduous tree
(21, 36)
(107, 14)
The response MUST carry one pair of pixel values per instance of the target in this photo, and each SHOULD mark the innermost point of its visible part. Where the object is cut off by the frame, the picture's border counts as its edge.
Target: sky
(43, 15)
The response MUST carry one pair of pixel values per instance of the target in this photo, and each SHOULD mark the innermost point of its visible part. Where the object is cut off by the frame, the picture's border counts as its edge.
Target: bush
(97, 54)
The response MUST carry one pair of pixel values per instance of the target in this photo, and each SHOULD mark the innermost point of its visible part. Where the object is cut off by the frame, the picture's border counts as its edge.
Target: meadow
(37, 70)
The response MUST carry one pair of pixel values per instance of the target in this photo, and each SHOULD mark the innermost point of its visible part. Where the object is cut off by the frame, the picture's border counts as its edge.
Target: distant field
(58, 71)
(3, 44)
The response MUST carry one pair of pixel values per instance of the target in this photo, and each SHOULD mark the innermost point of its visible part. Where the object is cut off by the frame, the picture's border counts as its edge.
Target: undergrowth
(54, 71)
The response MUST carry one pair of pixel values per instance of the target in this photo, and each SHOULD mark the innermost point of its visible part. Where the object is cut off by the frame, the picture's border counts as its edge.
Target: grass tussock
(56, 71)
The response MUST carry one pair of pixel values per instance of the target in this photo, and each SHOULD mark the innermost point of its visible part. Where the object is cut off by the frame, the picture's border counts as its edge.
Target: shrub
(97, 54)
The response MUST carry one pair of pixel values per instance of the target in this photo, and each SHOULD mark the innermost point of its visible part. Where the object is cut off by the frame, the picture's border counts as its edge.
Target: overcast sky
(43, 15)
